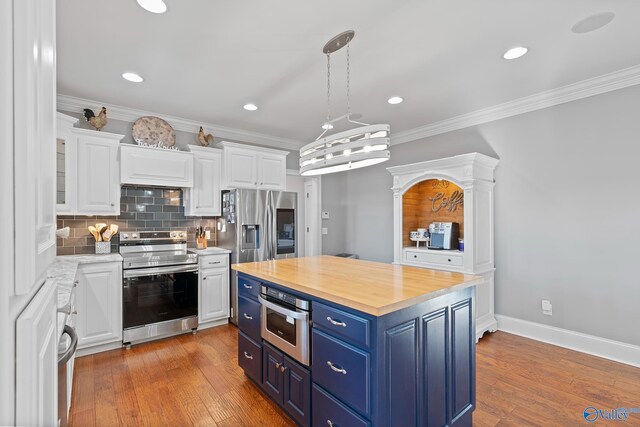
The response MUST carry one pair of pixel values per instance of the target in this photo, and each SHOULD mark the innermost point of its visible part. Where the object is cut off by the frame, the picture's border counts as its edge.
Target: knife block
(201, 242)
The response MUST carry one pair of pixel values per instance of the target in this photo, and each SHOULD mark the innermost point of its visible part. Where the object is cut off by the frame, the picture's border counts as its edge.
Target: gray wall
(567, 214)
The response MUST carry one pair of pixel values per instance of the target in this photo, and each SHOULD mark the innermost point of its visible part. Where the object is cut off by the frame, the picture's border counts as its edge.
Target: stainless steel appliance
(285, 322)
(444, 235)
(259, 225)
(159, 285)
(68, 345)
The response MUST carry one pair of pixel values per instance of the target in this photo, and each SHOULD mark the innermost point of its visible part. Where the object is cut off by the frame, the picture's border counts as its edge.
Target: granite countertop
(371, 287)
(209, 251)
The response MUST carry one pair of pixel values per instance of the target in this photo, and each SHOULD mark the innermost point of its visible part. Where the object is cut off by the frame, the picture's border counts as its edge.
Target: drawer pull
(247, 286)
(247, 355)
(336, 322)
(214, 262)
(246, 316)
(336, 369)
(330, 424)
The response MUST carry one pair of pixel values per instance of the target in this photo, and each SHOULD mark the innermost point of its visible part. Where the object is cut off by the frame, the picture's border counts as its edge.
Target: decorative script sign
(451, 203)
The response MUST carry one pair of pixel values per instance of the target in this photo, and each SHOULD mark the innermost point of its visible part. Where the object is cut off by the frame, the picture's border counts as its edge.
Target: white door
(272, 171)
(241, 168)
(214, 295)
(313, 241)
(206, 185)
(37, 360)
(34, 136)
(98, 189)
(99, 303)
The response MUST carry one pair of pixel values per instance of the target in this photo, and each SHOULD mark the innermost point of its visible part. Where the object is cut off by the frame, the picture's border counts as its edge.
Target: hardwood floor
(195, 380)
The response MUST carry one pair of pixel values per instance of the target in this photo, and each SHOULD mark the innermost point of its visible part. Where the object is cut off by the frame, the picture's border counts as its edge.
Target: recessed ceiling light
(327, 126)
(132, 77)
(515, 53)
(153, 6)
(593, 22)
(250, 107)
(395, 100)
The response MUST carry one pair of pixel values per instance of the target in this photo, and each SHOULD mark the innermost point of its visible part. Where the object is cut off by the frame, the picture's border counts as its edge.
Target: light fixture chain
(328, 88)
(348, 80)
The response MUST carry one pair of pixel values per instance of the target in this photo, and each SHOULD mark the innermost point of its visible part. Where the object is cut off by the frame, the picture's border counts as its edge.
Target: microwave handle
(280, 309)
(159, 270)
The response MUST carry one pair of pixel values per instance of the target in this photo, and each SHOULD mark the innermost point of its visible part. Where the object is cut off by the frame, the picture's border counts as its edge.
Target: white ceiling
(204, 59)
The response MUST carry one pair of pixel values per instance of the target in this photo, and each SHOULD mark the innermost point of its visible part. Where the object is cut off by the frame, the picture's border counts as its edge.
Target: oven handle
(159, 270)
(280, 309)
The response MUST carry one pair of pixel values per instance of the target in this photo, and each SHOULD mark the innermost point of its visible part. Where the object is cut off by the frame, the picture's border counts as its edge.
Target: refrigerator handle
(270, 233)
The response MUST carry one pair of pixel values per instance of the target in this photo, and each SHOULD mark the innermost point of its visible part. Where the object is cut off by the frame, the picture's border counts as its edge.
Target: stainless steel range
(159, 285)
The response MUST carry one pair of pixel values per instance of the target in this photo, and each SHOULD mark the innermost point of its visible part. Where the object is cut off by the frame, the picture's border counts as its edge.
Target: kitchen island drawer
(347, 326)
(248, 287)
(249, 317)
(327, 411)
(342, 369)
(439, 259)
(250, 357)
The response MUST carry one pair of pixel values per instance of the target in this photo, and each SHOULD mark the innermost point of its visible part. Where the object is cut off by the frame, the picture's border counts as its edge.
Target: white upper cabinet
(155, 167)
(97, 174)
(87, 170)
(253, 167)
(204, 198)
(34, 122)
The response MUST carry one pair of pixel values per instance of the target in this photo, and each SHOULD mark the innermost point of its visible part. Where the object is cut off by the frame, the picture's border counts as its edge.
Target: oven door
(153, 295)
(286, 328)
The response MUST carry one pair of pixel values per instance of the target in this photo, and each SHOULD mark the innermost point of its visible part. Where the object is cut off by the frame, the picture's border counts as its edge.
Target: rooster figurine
(204, 140)
(98, 121)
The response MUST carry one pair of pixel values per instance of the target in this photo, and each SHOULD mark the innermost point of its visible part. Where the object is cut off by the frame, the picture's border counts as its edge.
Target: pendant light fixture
(361, 146)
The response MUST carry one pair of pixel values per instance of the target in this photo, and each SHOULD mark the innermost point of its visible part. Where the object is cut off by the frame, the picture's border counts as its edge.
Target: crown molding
(118, 112)
(575, 91)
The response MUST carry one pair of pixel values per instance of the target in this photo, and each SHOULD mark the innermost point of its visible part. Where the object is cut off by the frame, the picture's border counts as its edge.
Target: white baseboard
(596, 346)
(213, 324)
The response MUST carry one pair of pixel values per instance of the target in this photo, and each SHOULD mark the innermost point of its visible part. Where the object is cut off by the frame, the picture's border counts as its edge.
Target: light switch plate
(325, 215)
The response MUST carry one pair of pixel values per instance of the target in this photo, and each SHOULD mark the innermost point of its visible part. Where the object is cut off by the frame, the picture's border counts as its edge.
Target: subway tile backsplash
(141, 208)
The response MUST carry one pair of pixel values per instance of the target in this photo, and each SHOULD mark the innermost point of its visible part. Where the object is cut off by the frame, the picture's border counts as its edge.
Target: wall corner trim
(602, 347)
(594, 86)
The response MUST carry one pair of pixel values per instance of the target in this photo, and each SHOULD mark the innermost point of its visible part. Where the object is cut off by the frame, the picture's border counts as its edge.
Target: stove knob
(182, 234)
(172, 235)
(134, 235)
(125, 236)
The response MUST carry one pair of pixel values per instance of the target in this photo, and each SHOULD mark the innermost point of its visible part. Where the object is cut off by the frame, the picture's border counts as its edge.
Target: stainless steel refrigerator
(258, 225)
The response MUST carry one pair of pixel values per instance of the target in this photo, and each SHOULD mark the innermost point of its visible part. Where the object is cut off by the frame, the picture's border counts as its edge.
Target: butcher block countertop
(371, 287)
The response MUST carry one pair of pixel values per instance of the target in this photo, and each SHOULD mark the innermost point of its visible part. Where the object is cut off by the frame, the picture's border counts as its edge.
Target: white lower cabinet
(99, 304)
(37, 360)
(213, 298)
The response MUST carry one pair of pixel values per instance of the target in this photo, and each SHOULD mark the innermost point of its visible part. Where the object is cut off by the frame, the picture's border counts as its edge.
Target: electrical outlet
(547, 308)
(325, 215)
(325, 230)
(207, 234)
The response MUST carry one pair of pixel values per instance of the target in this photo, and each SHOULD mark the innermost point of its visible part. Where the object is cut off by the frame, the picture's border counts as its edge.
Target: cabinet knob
(75, 283)
(415, 256)
(255, 183)
(282, 368)
(277, 365)
(449, 259)
(112, 204)
(334, 368)
(261, 183)
(204, 278)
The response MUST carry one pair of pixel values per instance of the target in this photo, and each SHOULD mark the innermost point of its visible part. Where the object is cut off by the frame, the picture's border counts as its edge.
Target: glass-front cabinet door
(65, 158)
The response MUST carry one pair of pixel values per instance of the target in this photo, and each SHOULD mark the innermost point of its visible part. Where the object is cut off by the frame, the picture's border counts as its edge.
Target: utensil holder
(103, 247)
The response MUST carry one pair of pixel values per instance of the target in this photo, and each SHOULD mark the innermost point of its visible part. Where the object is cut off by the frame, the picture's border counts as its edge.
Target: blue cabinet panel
(462, 360)
(328, 411)
(271, 373)
(248, 287)
(435, 347)
(349, 327)
(249, 317)
(342, 369)
(297, 392)
(250, 357)
(401, 344)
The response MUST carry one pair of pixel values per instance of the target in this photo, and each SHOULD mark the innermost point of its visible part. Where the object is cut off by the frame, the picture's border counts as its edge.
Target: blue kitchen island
(385, 345)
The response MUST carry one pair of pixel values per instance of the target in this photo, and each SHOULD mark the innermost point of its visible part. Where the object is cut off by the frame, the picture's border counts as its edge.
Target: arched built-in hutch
(455, 189)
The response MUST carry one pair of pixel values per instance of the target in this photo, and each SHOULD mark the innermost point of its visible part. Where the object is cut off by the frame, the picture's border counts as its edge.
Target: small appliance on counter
(444, 235)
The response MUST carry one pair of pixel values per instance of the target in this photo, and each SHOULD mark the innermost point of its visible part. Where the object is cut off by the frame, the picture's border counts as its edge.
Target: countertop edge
(378, 312)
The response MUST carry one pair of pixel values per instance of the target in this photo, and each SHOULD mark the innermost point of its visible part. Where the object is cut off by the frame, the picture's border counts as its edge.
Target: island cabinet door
(250, 357)
(297, 392)
(272, 362)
